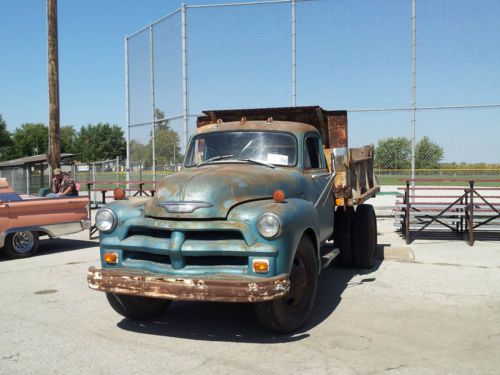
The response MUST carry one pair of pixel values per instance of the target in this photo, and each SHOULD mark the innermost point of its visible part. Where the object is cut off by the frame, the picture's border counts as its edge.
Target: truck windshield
(266, 147)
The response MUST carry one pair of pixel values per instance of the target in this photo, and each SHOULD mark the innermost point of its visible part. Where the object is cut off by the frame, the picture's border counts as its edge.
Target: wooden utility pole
(54, 147)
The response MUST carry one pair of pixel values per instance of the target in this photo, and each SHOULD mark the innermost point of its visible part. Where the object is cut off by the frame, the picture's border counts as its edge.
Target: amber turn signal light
(260, 265)
(111, 258)
(279, 196)
(339, 202)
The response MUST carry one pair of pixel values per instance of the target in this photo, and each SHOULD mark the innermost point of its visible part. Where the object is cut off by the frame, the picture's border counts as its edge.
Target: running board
(327, 258)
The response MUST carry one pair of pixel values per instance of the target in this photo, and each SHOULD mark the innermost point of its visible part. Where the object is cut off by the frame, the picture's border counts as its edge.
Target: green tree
(5, 141)
(166, 143)
(69, 140)
(137, 151)
(30, 139)
(160, 115)
(393, 153)
(101, 142)
(428, 154)
(167, 148)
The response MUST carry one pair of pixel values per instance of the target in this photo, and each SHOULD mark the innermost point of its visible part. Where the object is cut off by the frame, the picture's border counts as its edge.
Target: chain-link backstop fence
(434, 113)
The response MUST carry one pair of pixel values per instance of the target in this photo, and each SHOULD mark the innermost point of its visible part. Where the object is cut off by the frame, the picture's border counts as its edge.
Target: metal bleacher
(465, 211)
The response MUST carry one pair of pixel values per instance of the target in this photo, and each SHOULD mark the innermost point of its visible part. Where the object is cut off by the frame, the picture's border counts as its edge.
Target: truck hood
(210, 191)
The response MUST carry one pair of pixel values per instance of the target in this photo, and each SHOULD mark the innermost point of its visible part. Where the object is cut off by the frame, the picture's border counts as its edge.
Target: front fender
(295, 215)
(125, 210)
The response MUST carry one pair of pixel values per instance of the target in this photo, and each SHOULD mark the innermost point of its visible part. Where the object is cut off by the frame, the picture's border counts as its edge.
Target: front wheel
(289, 313)
(21, 244)
(137, 308)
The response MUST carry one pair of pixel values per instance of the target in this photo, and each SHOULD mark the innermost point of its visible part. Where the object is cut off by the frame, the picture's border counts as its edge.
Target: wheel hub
(23, 242)
(298, 283)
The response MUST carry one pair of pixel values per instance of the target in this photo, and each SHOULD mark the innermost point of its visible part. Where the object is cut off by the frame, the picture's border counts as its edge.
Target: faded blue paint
(240, 194)
(223, 185)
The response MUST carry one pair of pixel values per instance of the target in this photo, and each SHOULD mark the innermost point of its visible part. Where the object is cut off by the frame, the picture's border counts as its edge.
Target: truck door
(316, 170)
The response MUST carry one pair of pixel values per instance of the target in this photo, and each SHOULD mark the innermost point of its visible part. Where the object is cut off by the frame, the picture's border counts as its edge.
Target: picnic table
(136, 186)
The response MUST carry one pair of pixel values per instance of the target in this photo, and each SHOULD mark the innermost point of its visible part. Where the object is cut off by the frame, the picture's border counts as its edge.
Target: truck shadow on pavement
(228, 322)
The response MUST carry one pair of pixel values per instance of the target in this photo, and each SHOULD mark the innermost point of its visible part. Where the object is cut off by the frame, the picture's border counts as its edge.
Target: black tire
(342, 235)
(364, 236)
(137, 308)
(21, 244)
(287, 314)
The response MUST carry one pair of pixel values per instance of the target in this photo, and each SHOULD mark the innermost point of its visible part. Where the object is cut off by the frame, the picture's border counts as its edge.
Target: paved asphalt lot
(430, 308)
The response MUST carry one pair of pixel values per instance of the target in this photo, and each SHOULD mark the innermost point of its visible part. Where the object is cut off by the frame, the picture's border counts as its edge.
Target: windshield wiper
(258, 162)
(215, 158)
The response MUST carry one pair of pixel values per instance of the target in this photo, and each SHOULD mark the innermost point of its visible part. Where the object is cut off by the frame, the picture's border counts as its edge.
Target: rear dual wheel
(342, 235)
(364, 236)
(355, 235)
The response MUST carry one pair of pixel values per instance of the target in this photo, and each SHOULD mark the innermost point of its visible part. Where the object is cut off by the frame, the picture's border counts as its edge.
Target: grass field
(398, 177)
(385, 177)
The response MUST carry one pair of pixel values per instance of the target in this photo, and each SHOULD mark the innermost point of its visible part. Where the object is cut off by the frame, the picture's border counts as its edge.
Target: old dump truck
(250, 218)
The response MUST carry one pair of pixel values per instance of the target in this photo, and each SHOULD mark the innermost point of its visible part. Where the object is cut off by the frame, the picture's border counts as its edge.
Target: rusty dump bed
(355, 181)
(316, 116)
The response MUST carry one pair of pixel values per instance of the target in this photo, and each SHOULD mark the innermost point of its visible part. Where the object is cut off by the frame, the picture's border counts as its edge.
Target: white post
(413, 88)
(127, 117)
(185, 88)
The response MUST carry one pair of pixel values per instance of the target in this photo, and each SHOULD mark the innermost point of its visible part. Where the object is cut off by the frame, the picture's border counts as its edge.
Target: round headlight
(105, 220)
(268, 226)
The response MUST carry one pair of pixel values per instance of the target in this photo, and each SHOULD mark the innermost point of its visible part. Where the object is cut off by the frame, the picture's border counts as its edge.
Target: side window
(312, 158)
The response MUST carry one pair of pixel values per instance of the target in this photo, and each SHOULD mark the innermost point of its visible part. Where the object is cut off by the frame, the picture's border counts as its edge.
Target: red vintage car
(23, 219)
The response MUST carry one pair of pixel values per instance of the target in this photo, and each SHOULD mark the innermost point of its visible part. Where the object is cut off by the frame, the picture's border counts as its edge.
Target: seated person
(62, 185)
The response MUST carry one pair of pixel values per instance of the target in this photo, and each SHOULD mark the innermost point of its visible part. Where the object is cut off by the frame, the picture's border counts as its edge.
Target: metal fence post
(94, 180)
(127, 115)
(413, 88)
(117, 169)
(294, 55)
(153, 104)
(28, 178)
(471, 214)
(185, 88)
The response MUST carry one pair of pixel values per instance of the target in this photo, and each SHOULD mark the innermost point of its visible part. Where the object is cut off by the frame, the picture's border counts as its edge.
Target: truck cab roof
(279, 126)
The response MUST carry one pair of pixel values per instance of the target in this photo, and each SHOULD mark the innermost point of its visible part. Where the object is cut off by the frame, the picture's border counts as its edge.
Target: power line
(431, 108)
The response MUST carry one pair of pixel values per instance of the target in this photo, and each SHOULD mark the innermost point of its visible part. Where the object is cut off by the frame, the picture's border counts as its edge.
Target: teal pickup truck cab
(250, 218)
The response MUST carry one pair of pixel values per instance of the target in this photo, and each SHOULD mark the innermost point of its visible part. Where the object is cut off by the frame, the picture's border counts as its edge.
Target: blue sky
(351, 54)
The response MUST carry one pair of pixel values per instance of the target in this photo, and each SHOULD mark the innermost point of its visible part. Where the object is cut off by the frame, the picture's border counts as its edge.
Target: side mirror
(339, 152)
(339, 158)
